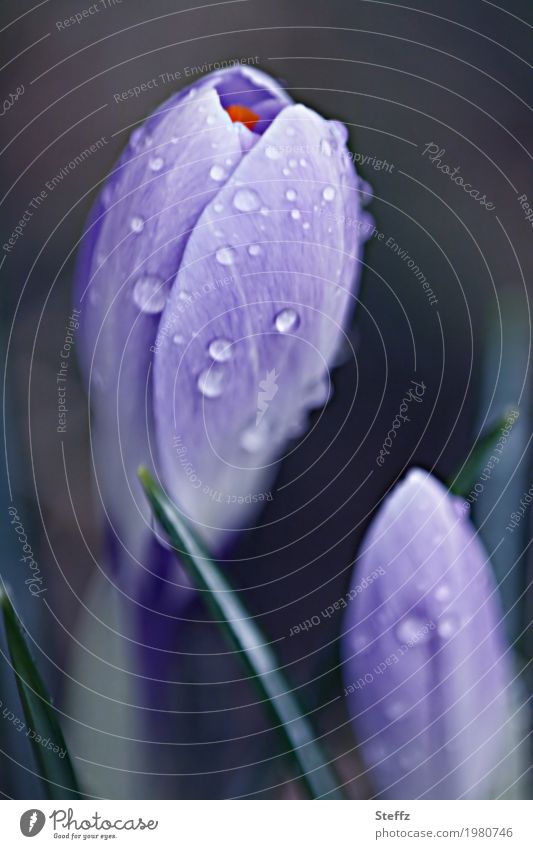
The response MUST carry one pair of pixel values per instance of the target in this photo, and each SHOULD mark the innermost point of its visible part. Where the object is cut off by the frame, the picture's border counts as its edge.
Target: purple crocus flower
(427, 672)
(219, 266)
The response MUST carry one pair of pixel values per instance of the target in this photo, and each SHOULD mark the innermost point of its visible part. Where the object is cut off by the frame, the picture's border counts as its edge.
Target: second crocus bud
(427, 672)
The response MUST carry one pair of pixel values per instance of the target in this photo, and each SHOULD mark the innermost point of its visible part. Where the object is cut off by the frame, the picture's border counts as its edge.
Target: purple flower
(427, 672)
(217, 272)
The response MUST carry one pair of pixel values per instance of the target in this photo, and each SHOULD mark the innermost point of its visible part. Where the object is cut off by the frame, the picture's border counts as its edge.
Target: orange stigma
(243, 115)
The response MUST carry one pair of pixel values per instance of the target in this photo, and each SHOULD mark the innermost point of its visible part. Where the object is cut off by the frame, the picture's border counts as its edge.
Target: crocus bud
(427, 672)
(215, 278)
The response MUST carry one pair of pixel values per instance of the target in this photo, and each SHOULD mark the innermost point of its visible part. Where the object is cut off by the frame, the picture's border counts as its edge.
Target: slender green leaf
(42, 727)
(250, 643)
(469, 473)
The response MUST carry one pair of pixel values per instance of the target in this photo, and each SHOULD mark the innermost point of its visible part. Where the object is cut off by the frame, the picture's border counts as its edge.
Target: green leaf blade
(251, 644)
(57, 773)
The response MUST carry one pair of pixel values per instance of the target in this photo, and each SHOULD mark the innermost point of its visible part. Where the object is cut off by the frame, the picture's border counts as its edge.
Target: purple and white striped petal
(428, 675)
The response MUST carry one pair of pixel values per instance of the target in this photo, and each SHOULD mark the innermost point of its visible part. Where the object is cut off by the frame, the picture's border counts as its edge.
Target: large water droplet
(220, 350)
(150, 294)
(272, 152)
(136, 223)
(226, 255)
(286, 320)
(255, 438)
(254, 250)
(328, 193)
(443, 592)
(290, 194)
(447, 627)
(296, 214)
(339, 131)
(246, 200)
(156, 163)
(217, 173)
(211, 382)
(412, 629)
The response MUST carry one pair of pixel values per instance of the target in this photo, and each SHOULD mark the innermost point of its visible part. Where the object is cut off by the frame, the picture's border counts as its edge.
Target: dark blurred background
(452, 74)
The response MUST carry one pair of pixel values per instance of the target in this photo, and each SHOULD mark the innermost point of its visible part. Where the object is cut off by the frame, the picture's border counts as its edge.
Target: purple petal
(427, 672)
(254, 320)
(174, 165)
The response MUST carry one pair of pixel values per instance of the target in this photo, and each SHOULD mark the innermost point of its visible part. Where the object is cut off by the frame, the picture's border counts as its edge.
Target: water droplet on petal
(210, 120)
(254, 250)
(211, 382)
(339, 131)
(272, 152)
(150, 294)
(136, 223)
(217, 173)
(178, 339)
(246, 200)
(290, 194)
(325, 147)
(306, 225)
(296, 214)
(156, 163)
(412, 629)
(226, 255)
(328, 193)
(286, 320)
(255, 437)
(443, 592)
(218, 207)
(221, 350)
(292, 163)
(447, 627)
(303, 163)
(393, 709)
(286, 172)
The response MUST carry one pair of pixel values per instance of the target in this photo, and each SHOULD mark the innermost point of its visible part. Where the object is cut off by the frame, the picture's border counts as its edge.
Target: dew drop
(136, 224)
(217, 173)
(178, 339)
(290, 194)
(325, 147)
(339, 131)
(292, 163)
(220, 350)
(218, 207)
(412, 629)
(226, 255)
(286, 320)
(272, 152)
(255, 437)
(447, 627)
(306, 225)
(210, 382)
(443, 592)
(150, 294)
(156, 163)
(296, 214)
(328, 193)
(286, 172)
(254, 250)
(246, 200)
